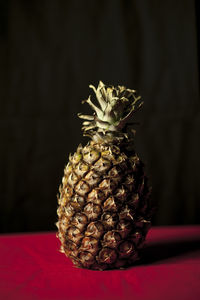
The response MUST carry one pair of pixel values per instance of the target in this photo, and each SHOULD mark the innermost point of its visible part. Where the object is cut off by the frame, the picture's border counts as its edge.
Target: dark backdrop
(50, 52)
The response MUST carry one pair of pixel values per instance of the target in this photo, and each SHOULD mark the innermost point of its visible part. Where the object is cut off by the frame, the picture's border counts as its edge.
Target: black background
(50, 52)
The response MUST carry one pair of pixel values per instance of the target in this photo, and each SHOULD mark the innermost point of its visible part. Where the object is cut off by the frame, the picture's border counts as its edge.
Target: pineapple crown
(116, 107)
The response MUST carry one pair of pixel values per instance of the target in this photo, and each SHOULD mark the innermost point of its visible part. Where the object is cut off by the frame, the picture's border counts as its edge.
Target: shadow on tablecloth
(171, 251)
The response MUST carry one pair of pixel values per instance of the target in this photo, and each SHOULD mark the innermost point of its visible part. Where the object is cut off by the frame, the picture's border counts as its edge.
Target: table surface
(31, 268)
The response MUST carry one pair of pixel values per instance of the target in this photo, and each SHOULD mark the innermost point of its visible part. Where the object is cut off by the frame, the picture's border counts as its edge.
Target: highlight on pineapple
(104, 210)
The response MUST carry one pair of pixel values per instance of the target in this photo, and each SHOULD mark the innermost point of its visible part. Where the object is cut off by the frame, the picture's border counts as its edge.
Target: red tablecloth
(31, 268)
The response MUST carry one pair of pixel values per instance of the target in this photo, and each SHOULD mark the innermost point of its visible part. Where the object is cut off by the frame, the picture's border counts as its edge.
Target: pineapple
(104, 210)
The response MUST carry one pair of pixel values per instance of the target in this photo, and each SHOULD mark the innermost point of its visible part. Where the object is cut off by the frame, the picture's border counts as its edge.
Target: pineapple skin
(104, 210)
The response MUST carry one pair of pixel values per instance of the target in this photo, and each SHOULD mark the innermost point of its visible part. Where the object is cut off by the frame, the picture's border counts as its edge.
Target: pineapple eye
(68, 169)
(114, 172)
(79, 221)
(63, 200)
(135, 200)
(136, 238)
(109, 220)
(63, 223)
(81, 169)
(70, 246)
(60, 211)
(95, 229)
(111, 239)
(76, 158)
(130, 183)
(92, 178)
(78, 199)
(108, 186)
(102, 165)
(92, 211)
(121, 194)
(105, 153)
(126, 249)
(73, 231)
(110, 204)
(68, 192)
(64, 180)
(124, 225)
(82, 188)
(107, 256)
(81, 218)
(129, 180)
(69, 211)
(86, 258)
(72, 179)
(127, 214)
(96, 196)
(90, 244)
(124, 228)
(91, 156)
